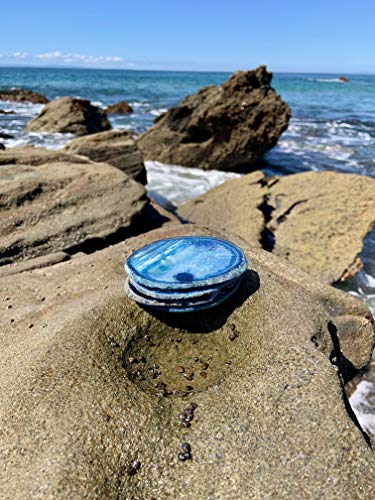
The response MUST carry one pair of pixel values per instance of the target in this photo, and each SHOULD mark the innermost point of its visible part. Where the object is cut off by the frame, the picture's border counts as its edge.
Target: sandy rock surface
(53, 201)
(81, 416)
(116, 147)
(315, 220)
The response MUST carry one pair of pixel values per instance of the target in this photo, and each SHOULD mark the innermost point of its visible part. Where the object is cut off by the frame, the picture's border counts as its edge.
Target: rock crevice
(315, 220)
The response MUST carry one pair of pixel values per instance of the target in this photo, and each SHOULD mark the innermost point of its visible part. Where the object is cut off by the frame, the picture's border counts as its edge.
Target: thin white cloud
(57, 56)
(20, 55)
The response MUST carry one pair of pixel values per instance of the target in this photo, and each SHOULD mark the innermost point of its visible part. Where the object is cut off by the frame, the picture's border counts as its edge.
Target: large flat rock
(318, 219)
(234, 205)
(69, 115)
(80, 361)
(53, 201)
(224, 127)
(116, 147)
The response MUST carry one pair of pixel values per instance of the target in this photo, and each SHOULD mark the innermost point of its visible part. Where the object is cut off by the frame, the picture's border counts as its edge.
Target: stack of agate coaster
(184, 274)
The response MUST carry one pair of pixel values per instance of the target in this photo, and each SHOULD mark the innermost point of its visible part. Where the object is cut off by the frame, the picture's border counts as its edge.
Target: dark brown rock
(116, 147)
(344, 79)
(69, 114)
(120, 108)
(3, 135)
(22, 95)
(3, 112)
(272, 424)
(225, 127)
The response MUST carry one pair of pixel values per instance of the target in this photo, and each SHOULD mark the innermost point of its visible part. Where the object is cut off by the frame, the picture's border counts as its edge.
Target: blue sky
(316, 36)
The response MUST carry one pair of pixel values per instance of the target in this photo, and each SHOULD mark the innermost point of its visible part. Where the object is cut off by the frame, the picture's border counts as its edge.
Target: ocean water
(332, 128)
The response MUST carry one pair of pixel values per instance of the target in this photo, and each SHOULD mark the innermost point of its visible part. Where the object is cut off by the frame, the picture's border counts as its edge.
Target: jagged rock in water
(315, 220)
(69, 114)
(88, 380)
(224, 127)
(22, 95)
(116, 147)
(52, 201)
(120, 108)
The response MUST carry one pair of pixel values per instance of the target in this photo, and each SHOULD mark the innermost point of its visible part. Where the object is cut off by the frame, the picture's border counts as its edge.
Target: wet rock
(315, 220)
(69, 114)
(53, 201)
(22, 95)
(274, 420)
(344, 79)
(120, 108)
(116, 147)
(3, 112)
(224, 127)
(4, 135)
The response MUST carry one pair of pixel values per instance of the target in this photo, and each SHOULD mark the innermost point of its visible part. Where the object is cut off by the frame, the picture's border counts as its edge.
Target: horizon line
(101, 68)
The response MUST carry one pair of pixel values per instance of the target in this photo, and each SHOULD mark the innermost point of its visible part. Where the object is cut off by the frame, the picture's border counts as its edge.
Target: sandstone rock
(116, 147)
(69, 114)
(121, 108)
(234, 205)
(225, 127)
(82, 417)
(36, 263)
(4, 112)
(52, 201)
(22, 95)
(318, 219)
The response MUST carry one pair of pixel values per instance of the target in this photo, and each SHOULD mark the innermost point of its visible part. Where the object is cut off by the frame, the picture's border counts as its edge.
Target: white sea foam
(48, 141)
(363, 403)
(178, 184)
(326, 80)
(158, 111)
(21, 108)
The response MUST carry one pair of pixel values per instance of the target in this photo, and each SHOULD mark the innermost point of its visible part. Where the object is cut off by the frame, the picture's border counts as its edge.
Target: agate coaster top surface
(186, 263)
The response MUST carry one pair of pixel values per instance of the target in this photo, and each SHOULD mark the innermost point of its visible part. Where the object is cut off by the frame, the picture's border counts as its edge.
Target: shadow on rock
(207, 321)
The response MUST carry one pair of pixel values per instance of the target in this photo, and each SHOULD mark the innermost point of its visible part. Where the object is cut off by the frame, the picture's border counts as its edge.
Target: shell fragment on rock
(184, 274)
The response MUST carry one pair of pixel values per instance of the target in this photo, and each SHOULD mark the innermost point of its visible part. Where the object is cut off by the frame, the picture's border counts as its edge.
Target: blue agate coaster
(184, 274)
(186, 262)
(183, 305)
